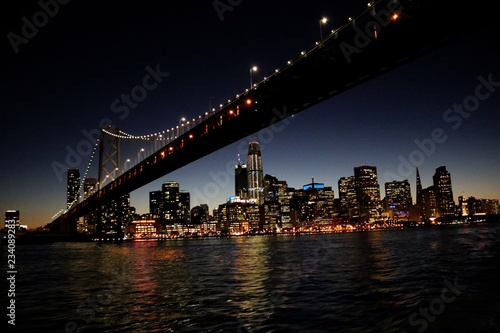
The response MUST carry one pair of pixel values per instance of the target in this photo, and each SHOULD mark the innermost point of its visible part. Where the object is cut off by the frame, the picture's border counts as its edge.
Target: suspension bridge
(387, 34)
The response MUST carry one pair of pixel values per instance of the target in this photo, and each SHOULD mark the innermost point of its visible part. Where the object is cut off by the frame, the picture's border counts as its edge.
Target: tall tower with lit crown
(255, 173)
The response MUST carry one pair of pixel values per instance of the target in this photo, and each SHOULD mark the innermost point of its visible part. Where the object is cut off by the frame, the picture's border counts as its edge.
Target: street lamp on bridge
(253, 69)
(322, 21)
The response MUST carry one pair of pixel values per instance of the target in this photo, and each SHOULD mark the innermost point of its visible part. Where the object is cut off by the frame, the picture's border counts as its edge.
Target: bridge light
(249, 101)
(191, 136)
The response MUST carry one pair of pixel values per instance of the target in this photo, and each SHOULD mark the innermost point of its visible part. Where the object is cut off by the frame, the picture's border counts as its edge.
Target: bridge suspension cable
(82, 182)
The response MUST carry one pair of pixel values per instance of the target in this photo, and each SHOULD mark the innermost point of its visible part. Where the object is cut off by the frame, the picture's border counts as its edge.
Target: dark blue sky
(64, 80)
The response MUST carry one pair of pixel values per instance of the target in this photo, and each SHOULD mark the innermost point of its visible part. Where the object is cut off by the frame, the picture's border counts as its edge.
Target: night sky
(64, 80)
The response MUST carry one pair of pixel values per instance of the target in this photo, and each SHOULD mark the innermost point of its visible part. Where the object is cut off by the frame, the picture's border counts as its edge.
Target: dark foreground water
(419, 280)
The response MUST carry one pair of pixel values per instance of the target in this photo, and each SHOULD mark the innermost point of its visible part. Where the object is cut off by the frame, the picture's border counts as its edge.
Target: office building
(240, 179)
(367, 192)
(443, 192)
(398, 195)
(73, 187)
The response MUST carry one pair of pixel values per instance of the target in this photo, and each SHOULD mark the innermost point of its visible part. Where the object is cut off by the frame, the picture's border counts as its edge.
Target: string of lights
(170, 134)
(82, 182)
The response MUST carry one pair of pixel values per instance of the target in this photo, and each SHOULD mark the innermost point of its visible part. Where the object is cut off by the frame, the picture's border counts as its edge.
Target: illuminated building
(240, 179)
(89, 220)
(367, 192)
(171, 204)
(73, 187)
(348, 197)
(398, 195)
(185, 206)
(155, 201)
(430, 205)
(115, 215)
(239, 215)
(12, 215)
(144, 229)
(255, 173)
(443, 192)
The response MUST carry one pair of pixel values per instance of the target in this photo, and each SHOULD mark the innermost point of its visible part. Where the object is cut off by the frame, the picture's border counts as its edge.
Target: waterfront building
(348, 197)
(12, 214)
(398, 195)
(115, 216)
(185, 206)
(430, 203)
(367, 192)
(171, 207)
(443, 192)
(239, 215)
(155, 204)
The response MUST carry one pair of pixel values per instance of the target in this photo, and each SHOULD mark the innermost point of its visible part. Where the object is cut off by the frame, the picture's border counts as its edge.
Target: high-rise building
(443, 192)
(255, 173)
(420, 197)
(185, 206)
(115, 216)
(89, 187)
(73, 187)
(12, 215)
(367, 192)
(398, 195)
(348, 197)
(89, 220)
(430, 206)
(171, 205)
(240, 180)
(155, 204)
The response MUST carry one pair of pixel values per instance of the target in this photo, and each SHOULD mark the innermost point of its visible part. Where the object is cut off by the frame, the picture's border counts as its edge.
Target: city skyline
(387, 122)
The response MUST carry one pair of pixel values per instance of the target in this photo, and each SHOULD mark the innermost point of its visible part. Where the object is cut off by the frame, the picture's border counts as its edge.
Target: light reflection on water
(370, 281)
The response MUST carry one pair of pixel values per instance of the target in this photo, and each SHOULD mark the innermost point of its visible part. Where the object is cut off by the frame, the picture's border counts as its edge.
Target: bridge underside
(342, 62)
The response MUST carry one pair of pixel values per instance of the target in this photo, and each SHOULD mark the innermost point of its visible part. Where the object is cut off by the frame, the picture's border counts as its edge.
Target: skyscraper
(171, 206)
(185, 206)
(444, 194)
(420, 197)
(255, 173)
(89, 220)
(240, 180)
(367, 191)
(398, 195)
(73, 187)
(155, 204)
(348, 197)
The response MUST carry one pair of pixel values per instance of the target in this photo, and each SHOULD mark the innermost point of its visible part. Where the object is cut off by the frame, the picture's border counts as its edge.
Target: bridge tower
(109, 155)
(109, 169)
